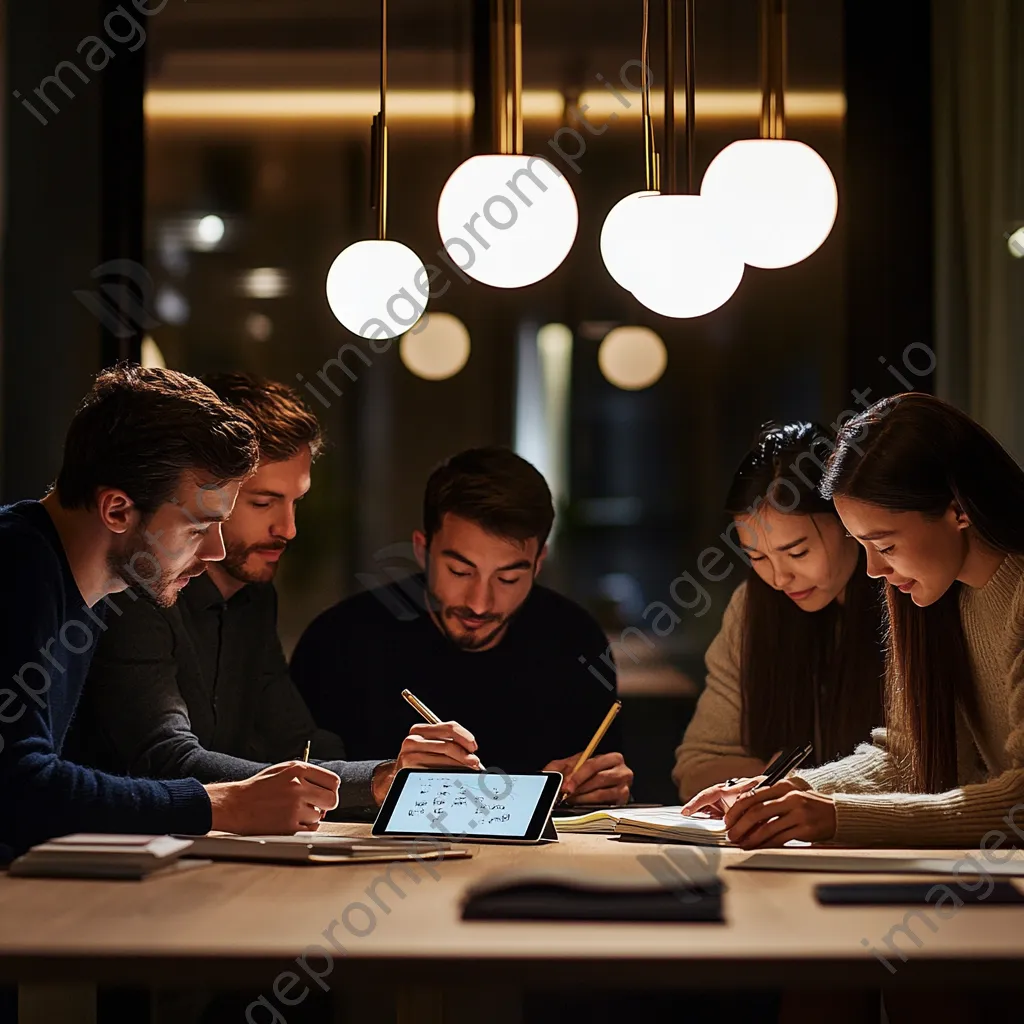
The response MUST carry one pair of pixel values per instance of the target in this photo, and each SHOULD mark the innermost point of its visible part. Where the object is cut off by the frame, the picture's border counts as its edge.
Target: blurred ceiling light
(375, 287)
(331, 106)
(507, 219)
(208, 232)
(436, 348)
(151, 356)
(264, 283)
(171, 306)
(259, 327)
(1015, 243)
(778, 195)
(632, 358)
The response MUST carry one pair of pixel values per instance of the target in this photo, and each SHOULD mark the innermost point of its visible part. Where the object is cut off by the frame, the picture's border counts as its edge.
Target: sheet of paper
(976, 863)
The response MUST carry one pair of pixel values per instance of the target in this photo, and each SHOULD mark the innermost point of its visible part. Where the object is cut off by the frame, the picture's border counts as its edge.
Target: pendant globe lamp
(375, 286)
(688, 265)
(507, 219)
(778, 194)
(621, 233)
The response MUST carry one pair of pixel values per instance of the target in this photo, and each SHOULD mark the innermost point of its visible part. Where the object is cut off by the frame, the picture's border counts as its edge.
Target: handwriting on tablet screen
(487, 803)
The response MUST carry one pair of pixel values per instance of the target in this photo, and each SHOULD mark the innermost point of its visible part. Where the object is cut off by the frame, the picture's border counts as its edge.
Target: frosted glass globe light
(436, 348)
(632, 358)
(507, 220)
(373, 288)
(688, 265)
(779, 198)
(620, 241)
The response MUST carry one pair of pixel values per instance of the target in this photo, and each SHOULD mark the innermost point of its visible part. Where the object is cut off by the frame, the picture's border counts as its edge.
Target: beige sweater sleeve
(869, 769)
(716, 727)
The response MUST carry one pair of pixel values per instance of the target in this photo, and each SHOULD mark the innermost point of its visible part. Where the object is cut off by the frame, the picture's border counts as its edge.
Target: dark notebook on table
(650, 887)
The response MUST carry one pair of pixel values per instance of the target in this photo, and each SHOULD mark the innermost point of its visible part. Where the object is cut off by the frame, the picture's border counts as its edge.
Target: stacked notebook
(85, 855)
(136, 857)
(666, 824)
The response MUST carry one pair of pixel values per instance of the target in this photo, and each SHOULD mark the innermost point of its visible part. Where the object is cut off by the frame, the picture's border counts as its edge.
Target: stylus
(421, 708)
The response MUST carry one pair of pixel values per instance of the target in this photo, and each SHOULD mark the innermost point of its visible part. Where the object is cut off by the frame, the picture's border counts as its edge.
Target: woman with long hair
(799, 656)
(938, 506)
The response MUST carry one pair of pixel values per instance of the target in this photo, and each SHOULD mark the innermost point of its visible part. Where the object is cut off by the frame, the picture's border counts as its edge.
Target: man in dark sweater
(202, 688)
(474, 637)
(152, 465)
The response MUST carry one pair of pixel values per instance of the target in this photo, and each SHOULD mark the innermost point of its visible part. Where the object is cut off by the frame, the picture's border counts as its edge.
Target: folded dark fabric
(647, 888)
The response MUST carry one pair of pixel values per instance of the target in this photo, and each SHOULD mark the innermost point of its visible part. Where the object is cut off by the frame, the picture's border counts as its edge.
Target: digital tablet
(466, 806)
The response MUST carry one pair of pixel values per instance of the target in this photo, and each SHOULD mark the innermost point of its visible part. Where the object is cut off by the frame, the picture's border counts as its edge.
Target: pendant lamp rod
(499, 78)
(379, 135)
(689, 33)
(514, 66)
(670, 101)
(773, 69)
(651, 183)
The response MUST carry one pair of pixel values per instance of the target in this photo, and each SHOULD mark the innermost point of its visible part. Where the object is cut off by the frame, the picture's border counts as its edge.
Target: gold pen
(597, 737)
(421, 708)
(424, 712)
(305, 756)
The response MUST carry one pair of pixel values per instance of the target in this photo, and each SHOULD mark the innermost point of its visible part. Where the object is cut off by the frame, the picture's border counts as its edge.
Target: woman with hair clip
(799, 656)
(938, 506)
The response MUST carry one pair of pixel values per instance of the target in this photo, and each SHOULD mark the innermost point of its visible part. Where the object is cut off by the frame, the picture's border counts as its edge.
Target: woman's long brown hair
(917, 453)
(792, 661)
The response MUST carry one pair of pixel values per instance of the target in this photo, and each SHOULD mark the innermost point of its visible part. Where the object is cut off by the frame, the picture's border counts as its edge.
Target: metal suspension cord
(689, 33)
(379, 133)
(650, 152)
(514, 38)
(773, 69)
(670, 102)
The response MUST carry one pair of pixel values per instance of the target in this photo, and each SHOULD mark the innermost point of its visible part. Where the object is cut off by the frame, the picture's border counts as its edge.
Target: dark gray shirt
(202, 690)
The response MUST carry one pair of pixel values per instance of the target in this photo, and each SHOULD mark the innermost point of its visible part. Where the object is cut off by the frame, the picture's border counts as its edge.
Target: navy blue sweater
(46, 645)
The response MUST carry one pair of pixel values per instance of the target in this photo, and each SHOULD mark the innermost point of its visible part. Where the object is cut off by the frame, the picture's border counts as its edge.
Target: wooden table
(237, 925)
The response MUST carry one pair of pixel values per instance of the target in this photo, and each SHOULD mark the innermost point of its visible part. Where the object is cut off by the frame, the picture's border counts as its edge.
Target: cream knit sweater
(989, 801)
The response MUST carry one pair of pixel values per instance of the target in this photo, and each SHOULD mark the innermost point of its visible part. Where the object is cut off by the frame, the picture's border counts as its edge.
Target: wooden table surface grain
(243, 923)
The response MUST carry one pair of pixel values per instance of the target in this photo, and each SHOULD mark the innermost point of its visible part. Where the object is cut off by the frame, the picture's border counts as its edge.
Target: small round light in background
(171, 306)
(373, 288)
(436, 348)
(151, 356)
(264, 283)
(259, 326)
(632, 358)
(209, 232)
(1015, 243)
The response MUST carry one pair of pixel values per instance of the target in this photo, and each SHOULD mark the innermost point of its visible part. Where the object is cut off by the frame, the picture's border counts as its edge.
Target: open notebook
(665, 823)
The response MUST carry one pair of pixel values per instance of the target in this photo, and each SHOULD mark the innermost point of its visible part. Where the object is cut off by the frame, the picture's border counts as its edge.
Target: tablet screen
(467, 805)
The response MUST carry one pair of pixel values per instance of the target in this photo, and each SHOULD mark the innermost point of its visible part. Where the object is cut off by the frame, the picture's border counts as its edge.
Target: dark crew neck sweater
(529, 700)
(202, 690)
(49, 634)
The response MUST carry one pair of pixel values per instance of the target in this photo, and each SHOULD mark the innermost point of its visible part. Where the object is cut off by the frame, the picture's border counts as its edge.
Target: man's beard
(467, 641)
(236, 555)
(138, 566)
